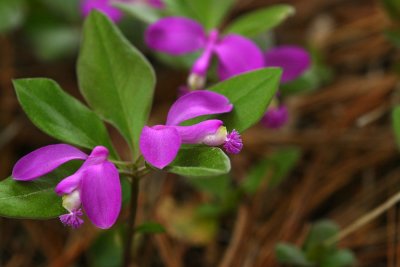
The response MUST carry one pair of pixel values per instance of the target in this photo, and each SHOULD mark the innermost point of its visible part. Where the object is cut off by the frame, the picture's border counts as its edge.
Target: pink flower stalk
(113, 13)
(160, 143)
(95, 185)
(294, 61)
(179, 36)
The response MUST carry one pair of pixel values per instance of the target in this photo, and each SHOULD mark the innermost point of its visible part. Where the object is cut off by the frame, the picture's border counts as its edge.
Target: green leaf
(150, 228)
(115, 78)
(142, 12)
(250, 94)
(200, 162)
(209, 13)
(12, 13)
(60, 115)
(315, 245)
(339, 258)
(396, 123)
(35, 199)
(260, 21)
(290, 254)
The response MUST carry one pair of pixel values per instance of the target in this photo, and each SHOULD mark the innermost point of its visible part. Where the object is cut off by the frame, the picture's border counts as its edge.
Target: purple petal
(44, 160)
(236, 55)
(197, 103)
(98, 155)
(159, 145)
(70, 183)
(201, 65)
(293, 60)
(196, 133)
(103, 6)
(175, 35)
(101, 194)
(275, 117)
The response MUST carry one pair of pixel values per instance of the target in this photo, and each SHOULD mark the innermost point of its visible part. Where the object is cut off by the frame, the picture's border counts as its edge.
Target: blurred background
(339, 153)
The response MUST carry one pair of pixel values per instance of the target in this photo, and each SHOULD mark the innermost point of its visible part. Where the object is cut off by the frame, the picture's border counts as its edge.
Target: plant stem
(131, 221)
(365, 219)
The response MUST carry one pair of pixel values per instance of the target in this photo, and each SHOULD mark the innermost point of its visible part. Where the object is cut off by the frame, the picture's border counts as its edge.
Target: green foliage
(12, 14)
(392, 8)
(277, 165)
(115, 79)
(35, 199)
(291, 255)
(261, 21)
(141, 12)
(60, 115)
(107, 249)
(150, 228)
(393, 36)
(250, 94)
(215, 186)
(316, 250)
(210, 13)
(200, 162)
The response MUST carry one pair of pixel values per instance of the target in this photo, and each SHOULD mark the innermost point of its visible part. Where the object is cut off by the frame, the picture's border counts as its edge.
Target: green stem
(131, 221)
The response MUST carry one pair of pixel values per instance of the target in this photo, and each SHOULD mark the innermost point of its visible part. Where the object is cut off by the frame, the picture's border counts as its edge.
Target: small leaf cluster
(317, 250)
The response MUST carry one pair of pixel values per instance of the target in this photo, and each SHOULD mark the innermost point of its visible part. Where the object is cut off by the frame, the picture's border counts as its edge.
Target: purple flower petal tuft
(159, 145)
(197, 103)
(233, 143)
(72, 219)
(293, 60)
(44, 160)
(236, 55)
(175, 36)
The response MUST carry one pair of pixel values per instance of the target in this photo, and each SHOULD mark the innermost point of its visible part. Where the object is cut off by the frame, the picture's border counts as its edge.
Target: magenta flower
(95, 185)
(160, 143)
(113, 13)
(179, 36)
(294, 61)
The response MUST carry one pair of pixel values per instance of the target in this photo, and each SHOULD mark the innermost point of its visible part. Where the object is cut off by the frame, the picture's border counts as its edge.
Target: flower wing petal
(159, 145)
(101, 194)
(237, 54)
(44, 160)
(175, 35)
(293, 60)
(196, 133)
(197, 103)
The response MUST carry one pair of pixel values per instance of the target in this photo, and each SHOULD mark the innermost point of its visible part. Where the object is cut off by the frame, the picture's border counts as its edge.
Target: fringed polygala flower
(113, 13)
(95, 185)
(294, 61)
(179, 36)
(160, 143)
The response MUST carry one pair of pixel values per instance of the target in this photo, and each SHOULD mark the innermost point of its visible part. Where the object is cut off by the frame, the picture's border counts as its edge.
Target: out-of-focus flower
(160, 144)
(179, 36)
(95, 185)
(294, 61)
